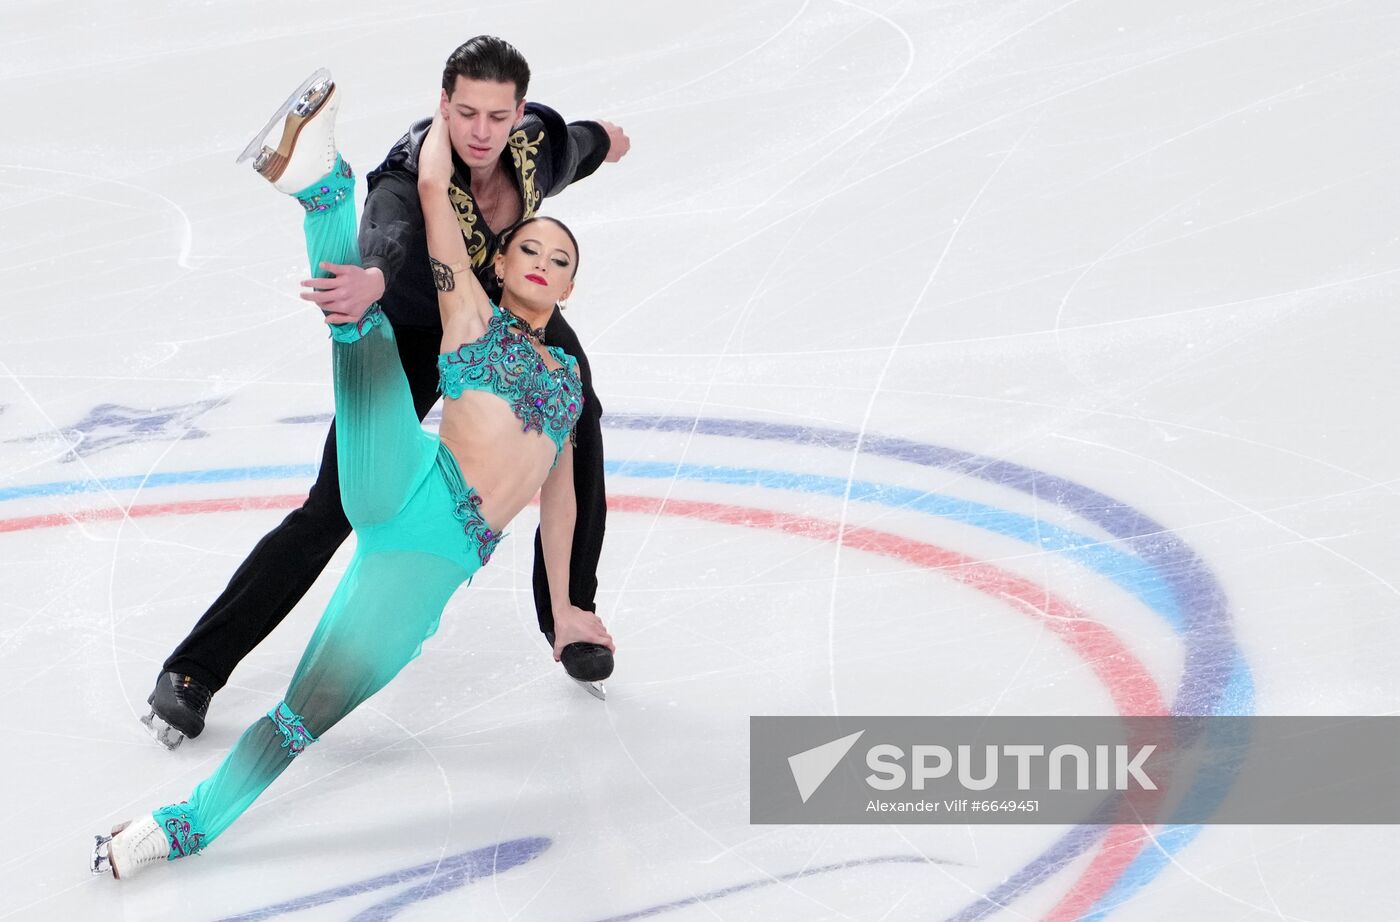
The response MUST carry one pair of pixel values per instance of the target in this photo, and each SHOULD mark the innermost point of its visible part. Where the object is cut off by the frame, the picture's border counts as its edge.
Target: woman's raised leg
(382, 450)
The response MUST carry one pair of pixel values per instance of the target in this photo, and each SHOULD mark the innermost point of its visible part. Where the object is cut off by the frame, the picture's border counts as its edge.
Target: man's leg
(288, 559)
(268, 584)
(285, 563)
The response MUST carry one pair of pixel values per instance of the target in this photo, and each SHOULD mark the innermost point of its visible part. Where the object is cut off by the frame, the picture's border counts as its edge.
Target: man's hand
(575, 625)
(347, 294)
(618, 142)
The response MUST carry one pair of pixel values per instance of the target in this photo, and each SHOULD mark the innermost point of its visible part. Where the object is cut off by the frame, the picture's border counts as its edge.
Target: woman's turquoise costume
(419, 531)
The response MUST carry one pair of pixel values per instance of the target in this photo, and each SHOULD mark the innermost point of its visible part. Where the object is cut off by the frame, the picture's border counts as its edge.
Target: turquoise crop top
(502, 362)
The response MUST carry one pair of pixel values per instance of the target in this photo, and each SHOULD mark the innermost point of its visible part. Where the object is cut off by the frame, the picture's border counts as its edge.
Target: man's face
(480, 115)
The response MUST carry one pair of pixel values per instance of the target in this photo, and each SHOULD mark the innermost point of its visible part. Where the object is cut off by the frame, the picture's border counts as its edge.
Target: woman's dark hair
(511, 231)
(486, 57)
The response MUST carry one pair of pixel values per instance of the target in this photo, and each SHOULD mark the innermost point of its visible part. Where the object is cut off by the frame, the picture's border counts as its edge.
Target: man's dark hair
(486, 57)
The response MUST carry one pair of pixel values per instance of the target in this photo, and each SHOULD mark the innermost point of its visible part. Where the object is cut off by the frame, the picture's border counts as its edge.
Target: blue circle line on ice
(1169, 578)
(456, 871)
(1216, 678)
(443, 875)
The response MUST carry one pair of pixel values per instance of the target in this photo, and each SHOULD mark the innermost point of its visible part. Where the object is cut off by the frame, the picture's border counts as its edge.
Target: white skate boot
(130, 848)
(305, 150)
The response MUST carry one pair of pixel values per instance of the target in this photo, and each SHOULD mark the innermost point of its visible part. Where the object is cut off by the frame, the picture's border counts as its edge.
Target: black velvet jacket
(543, 156)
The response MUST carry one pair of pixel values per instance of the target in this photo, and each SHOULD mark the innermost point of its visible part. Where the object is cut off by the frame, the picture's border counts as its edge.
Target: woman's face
(537, 267)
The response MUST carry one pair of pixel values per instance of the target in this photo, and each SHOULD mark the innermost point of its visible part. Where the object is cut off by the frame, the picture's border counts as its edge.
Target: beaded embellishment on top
(293, 729)
(503, 362)
(330, 190)
(354, 332)
(180, 833)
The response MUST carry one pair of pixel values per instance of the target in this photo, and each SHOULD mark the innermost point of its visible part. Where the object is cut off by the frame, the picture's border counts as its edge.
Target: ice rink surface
(922, 329)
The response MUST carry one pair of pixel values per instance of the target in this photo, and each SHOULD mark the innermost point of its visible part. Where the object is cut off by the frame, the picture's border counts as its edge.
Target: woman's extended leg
(388, 601)
(376, 621)
(374, 625)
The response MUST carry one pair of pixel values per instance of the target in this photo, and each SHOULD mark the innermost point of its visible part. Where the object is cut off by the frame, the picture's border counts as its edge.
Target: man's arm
(392, 219)
(572, 151)
(392, 215)
(618, 142)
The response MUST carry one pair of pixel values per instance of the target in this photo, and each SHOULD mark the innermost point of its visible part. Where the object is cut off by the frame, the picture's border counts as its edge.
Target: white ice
(1147, 248)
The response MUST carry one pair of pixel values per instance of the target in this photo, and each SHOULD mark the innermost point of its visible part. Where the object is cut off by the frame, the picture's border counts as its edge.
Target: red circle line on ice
(1127, 681)
(1123, 676)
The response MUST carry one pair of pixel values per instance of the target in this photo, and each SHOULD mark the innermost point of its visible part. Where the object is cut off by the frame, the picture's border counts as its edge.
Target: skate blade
(302, 103)
(101, 855)
(166, 735)
(595, 689)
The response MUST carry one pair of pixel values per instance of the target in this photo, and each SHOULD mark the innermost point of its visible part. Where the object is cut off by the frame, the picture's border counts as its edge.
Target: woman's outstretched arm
(558, 512)
(457, 286)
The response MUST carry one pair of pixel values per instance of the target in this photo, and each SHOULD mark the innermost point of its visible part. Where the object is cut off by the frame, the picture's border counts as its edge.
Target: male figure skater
(509, 155)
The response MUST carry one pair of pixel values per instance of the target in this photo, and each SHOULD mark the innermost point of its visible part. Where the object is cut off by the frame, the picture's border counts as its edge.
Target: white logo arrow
(811, 768)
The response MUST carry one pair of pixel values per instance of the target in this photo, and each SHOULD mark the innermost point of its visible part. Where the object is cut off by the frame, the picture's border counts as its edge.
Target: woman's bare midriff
(504, 465)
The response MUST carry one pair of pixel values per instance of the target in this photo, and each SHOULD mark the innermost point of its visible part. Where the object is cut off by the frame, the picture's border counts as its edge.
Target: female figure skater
(427, 511)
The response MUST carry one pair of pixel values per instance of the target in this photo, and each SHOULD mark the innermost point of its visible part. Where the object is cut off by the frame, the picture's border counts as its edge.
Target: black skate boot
(178, 706)
(588, 664)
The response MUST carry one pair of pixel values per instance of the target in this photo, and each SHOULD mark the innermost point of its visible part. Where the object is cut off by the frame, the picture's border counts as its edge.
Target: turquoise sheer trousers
(418, 538)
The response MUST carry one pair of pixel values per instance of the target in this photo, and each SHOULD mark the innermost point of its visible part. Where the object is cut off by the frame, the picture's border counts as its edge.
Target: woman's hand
(575, 625)
(435, 159)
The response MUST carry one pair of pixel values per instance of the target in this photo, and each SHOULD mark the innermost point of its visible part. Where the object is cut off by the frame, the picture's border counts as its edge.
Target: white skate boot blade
(256, 145)
(595, 689)
(166, 735)
(101, 858)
